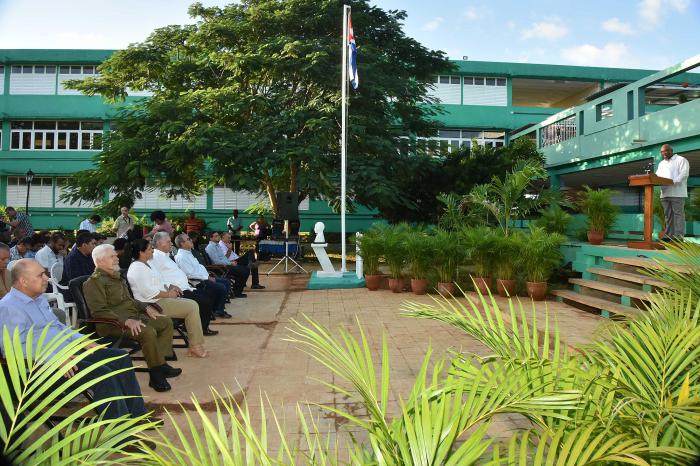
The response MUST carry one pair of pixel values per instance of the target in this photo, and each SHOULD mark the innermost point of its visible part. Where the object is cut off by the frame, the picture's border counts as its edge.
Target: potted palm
(449, 254)
(419, 257)
(370, 245)
(394, 246)
(601, 212)
(539, 256)
(479, 244)
(505, 253)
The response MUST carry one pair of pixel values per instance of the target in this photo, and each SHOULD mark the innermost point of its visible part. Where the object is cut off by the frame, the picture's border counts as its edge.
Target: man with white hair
(25, 308)
(172, 275)
(108, 298)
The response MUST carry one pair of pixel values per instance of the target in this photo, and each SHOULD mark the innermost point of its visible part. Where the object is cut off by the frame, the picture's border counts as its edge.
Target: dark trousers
(124, 383)
(218, 290)
(236, 238)
(239, 274)
(205, 302)
(248, 260)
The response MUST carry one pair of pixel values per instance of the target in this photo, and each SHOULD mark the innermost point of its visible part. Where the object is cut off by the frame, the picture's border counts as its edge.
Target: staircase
(621, 290)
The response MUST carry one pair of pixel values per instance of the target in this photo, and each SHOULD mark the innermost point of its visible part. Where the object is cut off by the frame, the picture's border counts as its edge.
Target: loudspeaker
(288, 205)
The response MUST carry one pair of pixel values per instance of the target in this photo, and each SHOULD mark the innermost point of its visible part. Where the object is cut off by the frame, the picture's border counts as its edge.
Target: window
(489, 91)
(604, 110)
(2, 80)
(60, 189)
(73, 72)
(33, 79)
(227, 199)
(446, 90)
(56, 135)
(559, 131)
(449, 140)
(40, 194)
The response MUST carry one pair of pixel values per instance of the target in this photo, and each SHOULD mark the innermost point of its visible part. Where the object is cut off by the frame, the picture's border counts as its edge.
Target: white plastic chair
(69, 308)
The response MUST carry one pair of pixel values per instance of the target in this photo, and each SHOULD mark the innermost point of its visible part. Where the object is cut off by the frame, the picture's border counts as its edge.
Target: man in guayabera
(673, 196)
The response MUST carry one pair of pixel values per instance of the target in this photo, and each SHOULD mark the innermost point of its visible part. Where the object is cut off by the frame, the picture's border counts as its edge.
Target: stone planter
(505, 287)
(483, 285)
(595, 237)
(396, 285)
(536, 290)
(419, 286)
(373, 282)
(447, 289)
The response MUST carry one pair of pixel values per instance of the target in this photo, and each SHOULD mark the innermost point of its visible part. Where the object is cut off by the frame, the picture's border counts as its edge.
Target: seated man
(108, 298)
(79, 262)
(23, 249)
(238, 273)
(198, 274)
(246, 260)
(172, 275)
(54, 251)
(26, 308)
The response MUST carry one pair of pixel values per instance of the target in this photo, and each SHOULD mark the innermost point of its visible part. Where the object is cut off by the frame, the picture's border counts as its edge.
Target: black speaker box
(288, 205)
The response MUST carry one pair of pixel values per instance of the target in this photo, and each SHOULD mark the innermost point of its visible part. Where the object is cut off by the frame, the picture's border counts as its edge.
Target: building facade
(54, 131)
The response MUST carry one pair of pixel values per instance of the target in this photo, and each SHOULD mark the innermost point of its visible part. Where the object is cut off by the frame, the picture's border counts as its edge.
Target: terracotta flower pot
(373, 282)
(505, 287)
(536, 290)
(595, 237)
(482, 284)
(419, 286)
(446, 289)
(396, 285)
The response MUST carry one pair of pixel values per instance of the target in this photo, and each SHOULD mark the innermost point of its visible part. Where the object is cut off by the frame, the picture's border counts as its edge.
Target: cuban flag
(352, 56)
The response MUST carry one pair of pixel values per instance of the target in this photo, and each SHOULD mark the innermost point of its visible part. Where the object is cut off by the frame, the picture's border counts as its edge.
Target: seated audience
(123, 249)
(246, 260)
(90, 224)
(160, 223)
(108, 297)
(25, 308)
(54, 251)
(171, 274)
(198, 274)
(22, 250)
(79, 261)
(237, 273)
(148, 287)
(5, 277)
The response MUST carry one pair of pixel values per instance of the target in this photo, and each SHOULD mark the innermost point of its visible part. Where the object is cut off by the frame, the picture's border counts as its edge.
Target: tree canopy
(249, 97)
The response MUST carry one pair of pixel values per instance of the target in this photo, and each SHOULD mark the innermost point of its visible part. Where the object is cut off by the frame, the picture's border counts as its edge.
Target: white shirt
(87, 225)
(47, 258)
(146, 283)
(224, 248)
(190, 265)
(677, 169)
(169, 270)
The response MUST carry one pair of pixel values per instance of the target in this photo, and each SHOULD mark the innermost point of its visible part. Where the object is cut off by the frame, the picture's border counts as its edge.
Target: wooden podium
(648, 181)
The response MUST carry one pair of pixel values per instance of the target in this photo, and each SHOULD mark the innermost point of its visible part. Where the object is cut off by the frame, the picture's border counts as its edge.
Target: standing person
(19, 221)
(673, 196)
(235, 226)
(54, 251)
(160, 224)
(260, 228)
(90, 224)
(22, 249)
(123, 224)
(5, 277)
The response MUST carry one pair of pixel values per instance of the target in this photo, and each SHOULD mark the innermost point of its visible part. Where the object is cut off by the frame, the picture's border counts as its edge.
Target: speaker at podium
(288, 205)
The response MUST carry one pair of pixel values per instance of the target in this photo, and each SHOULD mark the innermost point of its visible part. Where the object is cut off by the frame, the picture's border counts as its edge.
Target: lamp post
(29, 176)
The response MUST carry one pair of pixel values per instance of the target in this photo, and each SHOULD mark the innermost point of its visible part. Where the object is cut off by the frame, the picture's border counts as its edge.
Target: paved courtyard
(251, 357)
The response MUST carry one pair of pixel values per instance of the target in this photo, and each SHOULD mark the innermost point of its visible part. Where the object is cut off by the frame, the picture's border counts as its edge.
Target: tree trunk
(293, 174)
(271, 194)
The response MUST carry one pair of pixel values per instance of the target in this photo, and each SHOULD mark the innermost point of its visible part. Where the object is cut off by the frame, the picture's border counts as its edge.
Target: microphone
(649, 167)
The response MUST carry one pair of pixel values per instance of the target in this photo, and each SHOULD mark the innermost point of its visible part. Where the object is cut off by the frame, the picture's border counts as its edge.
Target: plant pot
(446, 289)
(482, 284)
(396, 285)
(595, 237)
(505, 287)
(373, 282)
(536, 290)
(419, 286)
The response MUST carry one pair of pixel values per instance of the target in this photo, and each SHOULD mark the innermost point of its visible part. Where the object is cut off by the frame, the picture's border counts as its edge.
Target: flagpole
(343, 137)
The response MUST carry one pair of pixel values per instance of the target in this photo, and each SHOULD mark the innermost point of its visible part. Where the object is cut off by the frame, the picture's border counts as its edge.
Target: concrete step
(610, 288)
(646, 263)
(597, 303)
(627, 276)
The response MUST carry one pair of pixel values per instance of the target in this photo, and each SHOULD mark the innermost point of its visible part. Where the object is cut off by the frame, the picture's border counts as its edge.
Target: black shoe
(170, 371)
(210, 333)
(213, 317)
(241, 295)
(257, 287)
(172, 357)
(157, 379)
(224, 315)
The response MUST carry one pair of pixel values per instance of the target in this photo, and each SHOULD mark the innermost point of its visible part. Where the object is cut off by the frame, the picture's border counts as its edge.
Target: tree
(249, 97)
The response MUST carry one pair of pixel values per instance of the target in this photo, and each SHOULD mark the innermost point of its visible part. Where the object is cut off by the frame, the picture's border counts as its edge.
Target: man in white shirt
(246, 260)
(173, 275)
(54, 251)
(218, 288)
(673, 196)
(90, 224)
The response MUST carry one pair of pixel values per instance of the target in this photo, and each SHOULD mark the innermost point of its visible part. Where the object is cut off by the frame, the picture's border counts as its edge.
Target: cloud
(472, 13)
(651, 11)
(617, 26)
(614, 54)
(433, 24)
(550, 29)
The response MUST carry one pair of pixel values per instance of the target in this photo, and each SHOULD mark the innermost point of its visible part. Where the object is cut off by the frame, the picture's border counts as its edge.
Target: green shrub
(553, 219)
(420, 254)
(480, 245)
(505, 255)
(540, 254)
(370, 245)
(598, 207)
(450, 254)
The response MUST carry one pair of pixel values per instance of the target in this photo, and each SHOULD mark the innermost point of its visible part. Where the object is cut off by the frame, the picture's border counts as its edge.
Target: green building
(56, 131)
